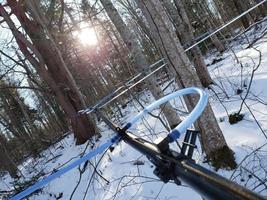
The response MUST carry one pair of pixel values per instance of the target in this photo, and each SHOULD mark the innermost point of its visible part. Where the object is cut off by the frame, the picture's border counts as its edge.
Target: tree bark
(50, 65)
(185, 31)
(227, 12)
(240, 7)
(139, 59)
(5, 159)
(201, 16)
(211, 137)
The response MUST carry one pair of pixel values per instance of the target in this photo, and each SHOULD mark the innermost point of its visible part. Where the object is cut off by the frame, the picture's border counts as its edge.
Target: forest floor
(126, 174)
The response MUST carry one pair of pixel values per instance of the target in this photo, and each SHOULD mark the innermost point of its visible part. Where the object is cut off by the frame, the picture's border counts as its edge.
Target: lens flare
(87, 36)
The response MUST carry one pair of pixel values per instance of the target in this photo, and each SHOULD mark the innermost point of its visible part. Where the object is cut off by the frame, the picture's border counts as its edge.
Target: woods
(59, 57)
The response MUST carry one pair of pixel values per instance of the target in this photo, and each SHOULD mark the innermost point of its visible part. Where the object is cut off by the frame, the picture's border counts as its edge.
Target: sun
(87, 36)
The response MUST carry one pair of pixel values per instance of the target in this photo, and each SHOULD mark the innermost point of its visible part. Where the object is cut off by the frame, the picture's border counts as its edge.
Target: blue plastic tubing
(190, 119)
(174, 134)
(69, 167)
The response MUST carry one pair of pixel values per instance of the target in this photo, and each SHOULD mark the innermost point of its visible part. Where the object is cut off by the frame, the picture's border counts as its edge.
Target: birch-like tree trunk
(211, 137)
(139, 59)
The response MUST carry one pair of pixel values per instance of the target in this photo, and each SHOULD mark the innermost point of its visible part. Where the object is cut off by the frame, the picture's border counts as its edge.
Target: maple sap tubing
(51, 177)
(189, 120)
(211, 185)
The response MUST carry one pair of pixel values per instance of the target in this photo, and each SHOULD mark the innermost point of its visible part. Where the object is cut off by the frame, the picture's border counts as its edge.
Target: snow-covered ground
(120, 176)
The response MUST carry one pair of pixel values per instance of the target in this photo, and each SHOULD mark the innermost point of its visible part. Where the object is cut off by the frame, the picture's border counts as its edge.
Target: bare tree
(139, 58)
(211, 137)
(185, 32)
(48, 62)
(6, 161)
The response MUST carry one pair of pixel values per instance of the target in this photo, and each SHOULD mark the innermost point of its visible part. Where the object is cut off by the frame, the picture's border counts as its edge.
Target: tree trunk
(227, 12)
(202, 17)
(33, 129)
(50, 66)
(185, 31)
(211, 137)
(5, 160)
(139, 59)
(54, 115)
(240, 7)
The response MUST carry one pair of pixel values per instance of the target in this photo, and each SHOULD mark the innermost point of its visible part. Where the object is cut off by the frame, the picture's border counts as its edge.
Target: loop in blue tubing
(190, 119)
(174, 134)
(41, 183)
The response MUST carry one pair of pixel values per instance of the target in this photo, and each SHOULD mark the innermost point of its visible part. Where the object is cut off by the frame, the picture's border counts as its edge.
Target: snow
(129, 181)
